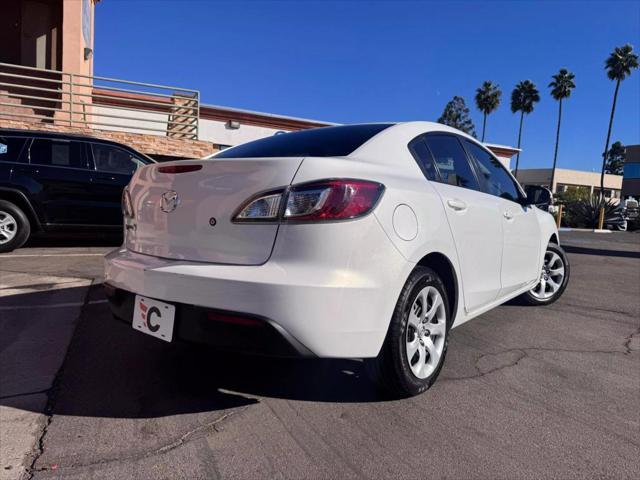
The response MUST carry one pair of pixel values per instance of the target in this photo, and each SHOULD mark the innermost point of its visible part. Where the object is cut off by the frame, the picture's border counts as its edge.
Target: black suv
(53, 182)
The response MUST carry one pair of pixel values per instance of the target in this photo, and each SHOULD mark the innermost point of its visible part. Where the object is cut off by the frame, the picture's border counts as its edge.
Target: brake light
(325, 200)
(179, 168)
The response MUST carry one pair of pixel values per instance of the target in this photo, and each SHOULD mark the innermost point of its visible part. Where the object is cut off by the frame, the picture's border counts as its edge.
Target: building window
(632, 170)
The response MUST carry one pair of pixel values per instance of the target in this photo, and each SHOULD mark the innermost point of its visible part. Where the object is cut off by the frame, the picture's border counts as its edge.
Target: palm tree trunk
(484, 125)
(555, 152)
(606, 148)
(519, 138)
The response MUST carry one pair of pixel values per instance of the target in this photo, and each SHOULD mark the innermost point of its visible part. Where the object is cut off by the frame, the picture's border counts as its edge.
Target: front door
(521, 230)
(111, 172)
(474, 219)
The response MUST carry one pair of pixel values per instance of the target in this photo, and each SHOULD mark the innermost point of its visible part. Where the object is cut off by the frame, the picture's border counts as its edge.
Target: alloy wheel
(551, 277)
(8, 227)
(426, 332)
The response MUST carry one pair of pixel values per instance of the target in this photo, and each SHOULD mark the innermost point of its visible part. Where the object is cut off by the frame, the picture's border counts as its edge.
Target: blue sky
(360, 61)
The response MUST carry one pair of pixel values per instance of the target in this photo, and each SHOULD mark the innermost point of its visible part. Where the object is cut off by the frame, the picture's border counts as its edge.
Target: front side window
(495, 179)
(114, 160)
(56, 153)
(10, 148)
(451, 161)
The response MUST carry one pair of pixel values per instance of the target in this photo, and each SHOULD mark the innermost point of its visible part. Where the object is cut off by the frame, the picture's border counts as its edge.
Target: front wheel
(416, 344)
(554, 278)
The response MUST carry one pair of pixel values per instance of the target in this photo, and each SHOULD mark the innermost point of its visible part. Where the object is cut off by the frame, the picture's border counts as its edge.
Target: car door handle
(507, 214)
(457, 205)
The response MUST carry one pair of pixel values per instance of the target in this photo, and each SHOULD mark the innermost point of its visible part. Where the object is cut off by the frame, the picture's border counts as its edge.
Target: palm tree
(487, 100)
(618, 66)
(523, 99)
(561, 87)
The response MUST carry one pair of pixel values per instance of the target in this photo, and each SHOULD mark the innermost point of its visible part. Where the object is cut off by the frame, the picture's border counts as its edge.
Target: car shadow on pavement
(112, 371)
(86, 239)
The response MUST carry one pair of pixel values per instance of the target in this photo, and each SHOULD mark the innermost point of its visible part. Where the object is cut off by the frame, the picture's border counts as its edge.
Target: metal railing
(56, 97)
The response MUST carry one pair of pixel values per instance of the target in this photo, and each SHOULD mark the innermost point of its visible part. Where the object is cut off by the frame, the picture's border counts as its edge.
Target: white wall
(128, 125)
(215, 131)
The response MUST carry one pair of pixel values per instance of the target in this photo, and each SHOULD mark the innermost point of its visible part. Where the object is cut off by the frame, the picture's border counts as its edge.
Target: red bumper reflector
(234, 320)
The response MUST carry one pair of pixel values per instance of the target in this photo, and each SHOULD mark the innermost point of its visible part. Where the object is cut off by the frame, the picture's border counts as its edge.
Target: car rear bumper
(222, 329)
(331, 308)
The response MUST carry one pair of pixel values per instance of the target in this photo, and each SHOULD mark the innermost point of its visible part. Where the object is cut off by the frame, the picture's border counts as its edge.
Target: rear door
(111, 170)
(473, 217)
(521, 230)
(62, 182)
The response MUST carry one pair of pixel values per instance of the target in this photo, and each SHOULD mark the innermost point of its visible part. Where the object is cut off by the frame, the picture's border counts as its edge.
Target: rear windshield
(318, 142)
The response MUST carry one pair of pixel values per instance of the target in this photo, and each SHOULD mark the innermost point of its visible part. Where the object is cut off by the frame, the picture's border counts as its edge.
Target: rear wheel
(554, 278)
(14, 227)
(416, 344)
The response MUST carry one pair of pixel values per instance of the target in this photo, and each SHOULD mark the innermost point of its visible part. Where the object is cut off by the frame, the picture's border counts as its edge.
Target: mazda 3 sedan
(363, 241)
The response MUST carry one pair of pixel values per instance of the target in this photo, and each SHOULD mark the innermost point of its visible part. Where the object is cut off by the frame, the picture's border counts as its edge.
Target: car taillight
(325, 200)
(127, 205)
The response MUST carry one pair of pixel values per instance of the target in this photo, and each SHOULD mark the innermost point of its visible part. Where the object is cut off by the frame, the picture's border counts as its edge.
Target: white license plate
(154, 318)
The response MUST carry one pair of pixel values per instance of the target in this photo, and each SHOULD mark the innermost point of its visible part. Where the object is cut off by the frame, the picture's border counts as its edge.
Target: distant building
(631, 177)
(565, 179)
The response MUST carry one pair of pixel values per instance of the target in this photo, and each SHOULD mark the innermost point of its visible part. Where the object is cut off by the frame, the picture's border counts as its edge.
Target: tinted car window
(423, 156)
(10, 148)
(317, 142)
(451, 161)
(57, 153)
(495, 178)
(114, 160)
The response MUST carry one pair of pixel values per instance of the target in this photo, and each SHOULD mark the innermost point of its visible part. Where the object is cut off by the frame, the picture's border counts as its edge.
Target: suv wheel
(416, 343)
(14, 227)
(554, 278)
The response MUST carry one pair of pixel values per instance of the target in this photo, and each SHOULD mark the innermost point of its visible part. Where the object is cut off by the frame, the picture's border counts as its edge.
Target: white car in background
(363, 241)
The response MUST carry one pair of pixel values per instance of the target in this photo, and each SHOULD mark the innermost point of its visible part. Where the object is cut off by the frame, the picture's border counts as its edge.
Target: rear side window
(57, 153)
(493, 175)
(318, 142)
(10, 149)
(423, 156)
(451, 161)
(114, 160)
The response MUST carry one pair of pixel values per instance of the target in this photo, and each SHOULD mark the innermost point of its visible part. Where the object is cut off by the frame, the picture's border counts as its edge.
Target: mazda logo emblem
(169, 201)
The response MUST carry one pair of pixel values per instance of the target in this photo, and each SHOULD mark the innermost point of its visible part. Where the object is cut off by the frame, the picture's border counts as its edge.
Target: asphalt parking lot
(525, 392)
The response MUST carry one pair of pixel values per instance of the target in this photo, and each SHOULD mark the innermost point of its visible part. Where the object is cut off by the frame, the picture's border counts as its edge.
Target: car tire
(14, 227)
(555, 260)
(416, 343)
(622, 227)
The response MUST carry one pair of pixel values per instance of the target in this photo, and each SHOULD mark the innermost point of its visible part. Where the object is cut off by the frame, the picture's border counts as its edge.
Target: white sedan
(361, 241)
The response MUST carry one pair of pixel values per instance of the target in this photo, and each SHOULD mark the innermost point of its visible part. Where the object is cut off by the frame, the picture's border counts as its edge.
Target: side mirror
(538, 196)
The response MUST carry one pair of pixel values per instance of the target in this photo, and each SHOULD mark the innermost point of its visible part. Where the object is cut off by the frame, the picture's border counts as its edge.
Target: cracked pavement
(526, 392)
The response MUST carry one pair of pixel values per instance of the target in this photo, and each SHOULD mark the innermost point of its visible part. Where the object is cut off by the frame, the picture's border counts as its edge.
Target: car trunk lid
(193, 221)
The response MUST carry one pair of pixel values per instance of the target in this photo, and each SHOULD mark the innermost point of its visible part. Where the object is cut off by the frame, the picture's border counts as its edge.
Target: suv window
(317, 142)
(57, 153)
(10, 148)
(114, 160)
(423, 156)
(452, 162)
(495, 178)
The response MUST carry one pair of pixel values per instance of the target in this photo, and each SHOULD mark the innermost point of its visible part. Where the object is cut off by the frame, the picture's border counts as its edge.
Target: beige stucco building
(566, 179)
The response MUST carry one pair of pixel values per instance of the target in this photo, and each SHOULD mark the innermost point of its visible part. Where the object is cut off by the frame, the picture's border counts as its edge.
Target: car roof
(13, 132)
